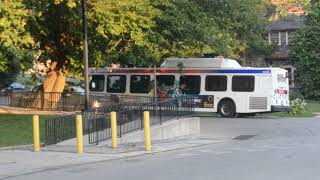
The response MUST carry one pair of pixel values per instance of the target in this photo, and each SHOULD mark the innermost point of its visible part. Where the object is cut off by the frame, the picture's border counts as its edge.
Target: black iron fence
(4, 99)
(130, 117)
(43, 101)
(60, 129)
(108, 103)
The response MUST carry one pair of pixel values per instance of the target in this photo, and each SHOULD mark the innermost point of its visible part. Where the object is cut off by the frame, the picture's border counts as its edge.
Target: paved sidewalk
(23, 161)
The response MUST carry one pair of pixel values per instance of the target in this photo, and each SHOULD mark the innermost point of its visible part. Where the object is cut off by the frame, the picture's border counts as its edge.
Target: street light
(85, 53)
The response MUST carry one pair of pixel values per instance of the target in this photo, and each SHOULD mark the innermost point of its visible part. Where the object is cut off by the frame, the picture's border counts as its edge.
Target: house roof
(290, 22)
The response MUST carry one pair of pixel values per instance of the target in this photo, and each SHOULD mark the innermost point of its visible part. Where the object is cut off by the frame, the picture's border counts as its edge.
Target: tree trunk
(53, 86)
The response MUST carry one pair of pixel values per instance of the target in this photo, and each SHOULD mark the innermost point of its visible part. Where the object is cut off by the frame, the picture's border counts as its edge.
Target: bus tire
(227, 108)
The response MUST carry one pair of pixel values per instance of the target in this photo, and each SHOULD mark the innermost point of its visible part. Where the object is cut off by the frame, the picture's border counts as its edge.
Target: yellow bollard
(36, 136)
(147, 130)
(114, 134)
(79, 134)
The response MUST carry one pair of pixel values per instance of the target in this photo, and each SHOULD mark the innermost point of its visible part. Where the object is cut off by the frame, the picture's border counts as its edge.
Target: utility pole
(85, 53)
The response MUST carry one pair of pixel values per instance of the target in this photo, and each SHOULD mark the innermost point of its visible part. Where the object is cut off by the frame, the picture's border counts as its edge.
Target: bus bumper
(280, 108)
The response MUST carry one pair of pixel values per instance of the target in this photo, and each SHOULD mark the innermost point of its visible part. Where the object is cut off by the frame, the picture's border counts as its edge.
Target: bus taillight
(280, 91)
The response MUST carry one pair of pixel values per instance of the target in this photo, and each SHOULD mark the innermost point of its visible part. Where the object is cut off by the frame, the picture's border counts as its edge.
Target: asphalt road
(269, 148)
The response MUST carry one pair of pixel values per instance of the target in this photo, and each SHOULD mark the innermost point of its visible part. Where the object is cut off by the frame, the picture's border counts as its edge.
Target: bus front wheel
(227, 108)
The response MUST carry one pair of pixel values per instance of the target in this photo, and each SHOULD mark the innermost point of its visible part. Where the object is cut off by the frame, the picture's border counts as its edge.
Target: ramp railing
(130, 118)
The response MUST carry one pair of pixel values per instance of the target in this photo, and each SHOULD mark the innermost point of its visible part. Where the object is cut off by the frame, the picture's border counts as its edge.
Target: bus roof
(200, 63)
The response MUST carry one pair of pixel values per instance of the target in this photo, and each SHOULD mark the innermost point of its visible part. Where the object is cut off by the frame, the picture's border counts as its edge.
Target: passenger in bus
(184, 88)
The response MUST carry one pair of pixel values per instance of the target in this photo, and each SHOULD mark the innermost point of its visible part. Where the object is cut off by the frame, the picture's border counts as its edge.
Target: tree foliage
(144, 32)
(305, 53)
(138, 32)
(56, 28)
(15, 39)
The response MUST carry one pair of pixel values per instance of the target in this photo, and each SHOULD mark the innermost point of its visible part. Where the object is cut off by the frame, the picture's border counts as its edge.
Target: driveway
(249, 148)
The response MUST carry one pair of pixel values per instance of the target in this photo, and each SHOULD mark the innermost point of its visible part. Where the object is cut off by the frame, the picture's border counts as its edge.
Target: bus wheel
(227, 108)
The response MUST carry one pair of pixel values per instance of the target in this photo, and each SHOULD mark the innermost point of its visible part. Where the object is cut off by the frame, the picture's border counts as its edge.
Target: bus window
(282, 80)
(165, 81)
(190, 84)
(216, 83)
(139, 84)
(97, 83)
(243, 83)
(116, 83)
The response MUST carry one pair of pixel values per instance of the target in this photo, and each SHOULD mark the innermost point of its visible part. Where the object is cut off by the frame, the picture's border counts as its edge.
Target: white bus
(217, 84)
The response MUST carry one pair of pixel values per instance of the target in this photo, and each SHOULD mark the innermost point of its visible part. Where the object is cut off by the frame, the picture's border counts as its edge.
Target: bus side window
(190, 84)
(243, 83)
(165, 82)
(97, 83)
(139, 84)
(216, 83)
(116, 83)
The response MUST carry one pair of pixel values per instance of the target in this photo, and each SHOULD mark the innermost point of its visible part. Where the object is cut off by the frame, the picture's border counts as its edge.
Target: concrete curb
(27, 146)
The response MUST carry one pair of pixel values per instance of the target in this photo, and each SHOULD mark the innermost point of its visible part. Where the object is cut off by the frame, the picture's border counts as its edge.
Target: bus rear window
(243, 83)
(97, 83)
(140, 84)
(116, 83)
(282, 79)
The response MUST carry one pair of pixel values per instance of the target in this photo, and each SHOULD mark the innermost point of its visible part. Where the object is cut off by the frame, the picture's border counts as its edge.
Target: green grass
(312, 108)
(17, 129)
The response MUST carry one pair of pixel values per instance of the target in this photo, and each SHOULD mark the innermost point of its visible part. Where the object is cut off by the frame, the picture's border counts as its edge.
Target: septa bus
(217, 84)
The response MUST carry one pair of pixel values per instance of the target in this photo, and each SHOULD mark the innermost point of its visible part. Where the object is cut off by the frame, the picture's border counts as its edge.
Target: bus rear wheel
(227, 108)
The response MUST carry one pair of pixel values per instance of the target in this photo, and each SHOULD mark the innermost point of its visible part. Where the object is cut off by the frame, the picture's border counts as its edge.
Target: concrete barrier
(170, 129)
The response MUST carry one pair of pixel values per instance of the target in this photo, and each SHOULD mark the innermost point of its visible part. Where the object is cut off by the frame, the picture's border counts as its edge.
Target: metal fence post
(160, 113)
(42, 100)
(141, 116)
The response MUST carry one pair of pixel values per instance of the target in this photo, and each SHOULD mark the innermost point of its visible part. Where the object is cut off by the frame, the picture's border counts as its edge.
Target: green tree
(305, 53)
(140, 32)
(56, 29)
(120, 32)
(16, 43)
(241, 22)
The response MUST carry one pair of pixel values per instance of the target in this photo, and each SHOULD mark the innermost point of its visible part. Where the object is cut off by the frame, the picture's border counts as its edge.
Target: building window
(243, 83)
(140, 84)
(283, 38)
(97, 83)
(116, 83)
(190, 84)
(279, 38)
(274, 38)
(216, 83)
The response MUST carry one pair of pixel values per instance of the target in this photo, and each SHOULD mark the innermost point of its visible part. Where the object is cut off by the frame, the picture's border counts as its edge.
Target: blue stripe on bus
(244, 71)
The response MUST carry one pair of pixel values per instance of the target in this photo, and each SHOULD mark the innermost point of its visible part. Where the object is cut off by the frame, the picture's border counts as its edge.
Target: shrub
(298, 107)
